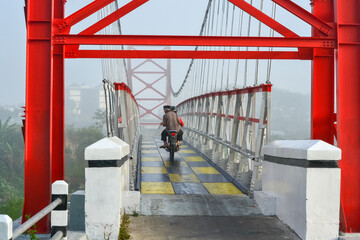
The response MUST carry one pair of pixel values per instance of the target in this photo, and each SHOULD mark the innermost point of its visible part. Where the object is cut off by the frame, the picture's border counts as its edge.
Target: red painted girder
(57, 104)
(348, 111)
(155, 40)
(188, 54)
(37, 189)
(113, 17)
(262, 17)
(323, 75)
(81, 14)
(305, 15)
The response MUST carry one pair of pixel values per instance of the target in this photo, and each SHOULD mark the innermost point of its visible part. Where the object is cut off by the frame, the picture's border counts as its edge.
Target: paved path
(189, 174)
(190, 199)
(209, 227)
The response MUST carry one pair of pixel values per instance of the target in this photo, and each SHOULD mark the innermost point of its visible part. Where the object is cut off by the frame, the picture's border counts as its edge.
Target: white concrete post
(301, 185)
(105, 179)
(59, 216)
(5, 227)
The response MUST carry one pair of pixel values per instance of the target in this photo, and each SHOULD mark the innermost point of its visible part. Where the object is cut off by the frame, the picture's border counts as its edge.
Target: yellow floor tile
(152, 159)
(187, 151)
(157, 188)
(222, 188)
(182, 164)
(149, 151)
(183, 178)
(194, 159)
(184, 146)
(205, 170)
(148, 146)
(153, 170)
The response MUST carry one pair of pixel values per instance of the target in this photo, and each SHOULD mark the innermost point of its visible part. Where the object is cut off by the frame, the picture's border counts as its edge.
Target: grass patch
(124, 231)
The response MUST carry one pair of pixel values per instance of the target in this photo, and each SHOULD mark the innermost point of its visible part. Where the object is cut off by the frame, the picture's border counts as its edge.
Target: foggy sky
(155, 17)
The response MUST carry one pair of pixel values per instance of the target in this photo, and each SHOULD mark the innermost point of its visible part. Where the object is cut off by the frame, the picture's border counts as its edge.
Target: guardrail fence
(230, 127)
(122, 118)
(59, 216)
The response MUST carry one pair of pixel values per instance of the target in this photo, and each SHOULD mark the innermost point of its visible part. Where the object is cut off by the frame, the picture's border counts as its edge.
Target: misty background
(162, 17)
(290, 97)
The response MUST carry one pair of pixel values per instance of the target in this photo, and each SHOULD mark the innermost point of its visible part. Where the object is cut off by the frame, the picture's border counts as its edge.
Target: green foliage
(100, 118)
(12, 206)
(11, 147)
(76, 140)
(31, 231)
(135, 213)
(11, 169)
(124, 231)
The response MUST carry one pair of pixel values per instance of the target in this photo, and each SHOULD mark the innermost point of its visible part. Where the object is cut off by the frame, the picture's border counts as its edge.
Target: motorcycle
(172, 144)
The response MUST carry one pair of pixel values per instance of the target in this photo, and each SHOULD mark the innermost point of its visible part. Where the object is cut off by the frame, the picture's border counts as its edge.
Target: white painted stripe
(59, 218)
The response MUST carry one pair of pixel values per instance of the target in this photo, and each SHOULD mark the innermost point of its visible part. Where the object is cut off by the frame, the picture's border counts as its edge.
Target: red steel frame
(335, 30)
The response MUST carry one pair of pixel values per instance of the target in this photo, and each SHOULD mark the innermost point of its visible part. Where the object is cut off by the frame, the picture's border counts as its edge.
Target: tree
(11, 168)
(100, 118)
(76, 140)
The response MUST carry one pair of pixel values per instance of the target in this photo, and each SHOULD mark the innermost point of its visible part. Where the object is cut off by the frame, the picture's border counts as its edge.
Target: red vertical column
(348, 111)
(37, 130)
(57, 120)
(322, 98)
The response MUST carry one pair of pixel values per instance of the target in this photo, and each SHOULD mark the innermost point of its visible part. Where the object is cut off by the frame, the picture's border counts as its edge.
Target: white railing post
(59, 216)
(5, 227)
(106, 184)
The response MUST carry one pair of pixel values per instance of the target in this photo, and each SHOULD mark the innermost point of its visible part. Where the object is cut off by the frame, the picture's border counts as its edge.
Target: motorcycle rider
(170, 122)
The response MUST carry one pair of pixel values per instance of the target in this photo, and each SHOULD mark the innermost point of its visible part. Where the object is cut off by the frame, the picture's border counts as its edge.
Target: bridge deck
(189, 174)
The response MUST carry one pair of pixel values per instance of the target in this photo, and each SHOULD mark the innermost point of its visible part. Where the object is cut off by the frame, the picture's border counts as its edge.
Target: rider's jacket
(171, 121)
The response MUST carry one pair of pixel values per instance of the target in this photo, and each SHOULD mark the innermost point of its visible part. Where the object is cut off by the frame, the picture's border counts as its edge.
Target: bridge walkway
(192, 200)
(189, 174)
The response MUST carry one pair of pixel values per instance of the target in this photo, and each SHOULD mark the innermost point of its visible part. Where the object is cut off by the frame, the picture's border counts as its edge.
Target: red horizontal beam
(305, 15)
(262, 17)
(303, 42)
(187, 54)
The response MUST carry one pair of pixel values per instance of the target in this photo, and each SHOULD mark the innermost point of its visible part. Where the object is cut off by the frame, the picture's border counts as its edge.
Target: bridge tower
(150, 82)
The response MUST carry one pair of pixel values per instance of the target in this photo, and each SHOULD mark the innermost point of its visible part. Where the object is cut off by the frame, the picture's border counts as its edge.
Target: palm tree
(11, 146)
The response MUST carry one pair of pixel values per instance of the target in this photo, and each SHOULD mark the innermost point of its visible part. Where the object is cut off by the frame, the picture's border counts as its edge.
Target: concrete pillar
(59, 216)
(5, 227)
(77, 211)
(301, 185)
(105, 179)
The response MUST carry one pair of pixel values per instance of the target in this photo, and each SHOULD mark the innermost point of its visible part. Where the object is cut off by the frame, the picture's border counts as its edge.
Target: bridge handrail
(59, 194)
(225, 143)
(230, 127)
(127, 125)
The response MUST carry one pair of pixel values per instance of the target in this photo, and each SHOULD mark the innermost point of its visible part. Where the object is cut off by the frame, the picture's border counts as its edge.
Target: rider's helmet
(167, 107)
(173, 108)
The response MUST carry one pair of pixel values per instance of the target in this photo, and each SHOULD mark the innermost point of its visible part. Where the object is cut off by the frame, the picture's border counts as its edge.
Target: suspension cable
(238, 60)
(269, 62)
(247, 48)
(256, 79)
(175, 94)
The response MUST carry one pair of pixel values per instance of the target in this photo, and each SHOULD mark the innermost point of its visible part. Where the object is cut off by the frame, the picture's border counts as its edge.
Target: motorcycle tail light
(172, 134)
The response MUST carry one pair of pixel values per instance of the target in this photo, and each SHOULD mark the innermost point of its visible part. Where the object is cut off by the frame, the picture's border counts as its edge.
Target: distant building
(81, 103)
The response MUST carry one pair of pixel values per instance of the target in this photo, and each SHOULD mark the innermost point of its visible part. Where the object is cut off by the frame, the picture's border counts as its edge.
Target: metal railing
(230, 127)
(122, 120)
(127, 125)
(57, 208)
